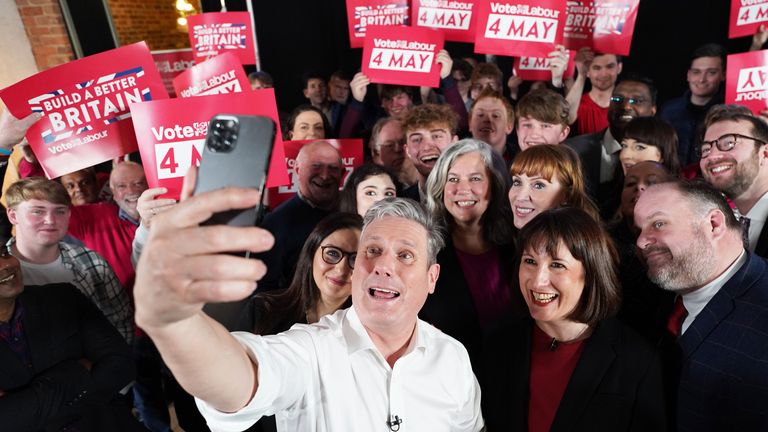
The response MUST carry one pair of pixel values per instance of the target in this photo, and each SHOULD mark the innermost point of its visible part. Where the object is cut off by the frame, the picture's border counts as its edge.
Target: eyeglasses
(725, 143)
(333, 255)
(629, 100)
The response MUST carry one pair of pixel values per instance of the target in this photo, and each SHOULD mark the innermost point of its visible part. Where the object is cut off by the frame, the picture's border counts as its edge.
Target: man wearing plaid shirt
(40, 210)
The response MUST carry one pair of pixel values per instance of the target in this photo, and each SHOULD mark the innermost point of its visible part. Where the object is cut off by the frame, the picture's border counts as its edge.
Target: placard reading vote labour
(171, 134)
(170, 63)
(351, 151)
(537, 68)
(404, 56)
(85, 106)
(456, 19)
(746, 17)
(746, 82)
(528, 28)
(221, 74)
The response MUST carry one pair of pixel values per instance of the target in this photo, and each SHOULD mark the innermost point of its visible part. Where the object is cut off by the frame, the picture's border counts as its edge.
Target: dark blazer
(62, 327)
(724, 376)
(607, 196)
(451, 307)
(761, 249)
(616, 385)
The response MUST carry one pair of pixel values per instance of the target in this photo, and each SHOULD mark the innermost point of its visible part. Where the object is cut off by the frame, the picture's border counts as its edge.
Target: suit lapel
(597, 357)
(762, 243)
(721, 305)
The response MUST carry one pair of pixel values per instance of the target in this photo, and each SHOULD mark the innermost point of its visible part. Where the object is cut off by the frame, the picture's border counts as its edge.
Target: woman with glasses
(468, 196)
(321, 284)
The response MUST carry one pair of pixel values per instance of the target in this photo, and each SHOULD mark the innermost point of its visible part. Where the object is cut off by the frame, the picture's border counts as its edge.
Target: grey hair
(411, 210)
(497, 220)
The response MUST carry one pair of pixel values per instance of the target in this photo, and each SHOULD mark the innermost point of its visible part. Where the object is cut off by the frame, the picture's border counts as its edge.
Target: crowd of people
(564, 255)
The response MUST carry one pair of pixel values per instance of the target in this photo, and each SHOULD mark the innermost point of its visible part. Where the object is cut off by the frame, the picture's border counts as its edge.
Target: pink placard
(171, 134)
(362, 14)
(537, 68)
(214, 33)
(529, 28)
(221, 74)
(85, 104)
(171, 63)
(746, 81)
(746, 17)
(351, 155)
(404, 56)
(606, 26)
(456, 19)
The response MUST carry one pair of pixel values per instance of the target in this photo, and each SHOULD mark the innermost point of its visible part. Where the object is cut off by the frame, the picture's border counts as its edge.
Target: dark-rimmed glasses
(725, 143)
(333, 255)
(629, 100)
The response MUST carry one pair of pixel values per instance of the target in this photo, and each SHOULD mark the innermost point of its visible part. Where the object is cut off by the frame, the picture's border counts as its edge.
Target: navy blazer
(724, 376)
(616, 385)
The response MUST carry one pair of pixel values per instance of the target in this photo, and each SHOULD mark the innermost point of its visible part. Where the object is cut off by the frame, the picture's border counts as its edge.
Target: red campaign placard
(362, 14)
(171, 63)
(214, 33)
(537, 68)
(746, 82)
(528, 28)
(404, 56)
(85, 106)
(456, 19)
(351, 156)
(746, 17)
(219, 75)
(171, 134)
(604, 25)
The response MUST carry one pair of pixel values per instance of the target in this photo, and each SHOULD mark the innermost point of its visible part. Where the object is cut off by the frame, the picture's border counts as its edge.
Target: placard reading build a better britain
(362, 14)
(520, 28)
(85, 104)
(214, 33)
(604, 25)
(747, 80)
(404, 56)
(455, 18)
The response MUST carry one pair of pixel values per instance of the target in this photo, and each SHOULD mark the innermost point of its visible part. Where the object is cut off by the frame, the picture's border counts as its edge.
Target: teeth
(429, 158)
(720, 169)
(8, 278)
(466, 203)
(543, 297)
(523, 210)
(385, 292)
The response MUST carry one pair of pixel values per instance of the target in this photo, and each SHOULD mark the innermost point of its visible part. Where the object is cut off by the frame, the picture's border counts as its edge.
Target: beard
(743, 177)
(690, 268)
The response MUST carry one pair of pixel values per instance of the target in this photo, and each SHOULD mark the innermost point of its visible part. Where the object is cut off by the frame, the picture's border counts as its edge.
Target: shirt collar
(125, 216)
(609, 143)
(357, 337)
(759, 211)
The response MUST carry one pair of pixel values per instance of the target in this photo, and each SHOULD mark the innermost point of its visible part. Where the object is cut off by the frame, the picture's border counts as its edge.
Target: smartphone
(236, 152)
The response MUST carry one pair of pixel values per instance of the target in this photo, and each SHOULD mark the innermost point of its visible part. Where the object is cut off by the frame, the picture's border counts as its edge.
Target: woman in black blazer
(569, 366)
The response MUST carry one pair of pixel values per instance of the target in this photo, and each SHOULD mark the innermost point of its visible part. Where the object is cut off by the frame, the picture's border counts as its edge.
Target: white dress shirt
(696, 301)
(329, 376)
(757, 216)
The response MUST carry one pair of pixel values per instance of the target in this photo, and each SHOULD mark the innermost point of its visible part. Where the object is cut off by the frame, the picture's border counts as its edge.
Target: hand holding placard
(359, 86)
(12, 130)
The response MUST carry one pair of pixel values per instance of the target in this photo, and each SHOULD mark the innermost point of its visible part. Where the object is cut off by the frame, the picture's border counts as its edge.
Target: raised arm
(183, 266)
(582, 60)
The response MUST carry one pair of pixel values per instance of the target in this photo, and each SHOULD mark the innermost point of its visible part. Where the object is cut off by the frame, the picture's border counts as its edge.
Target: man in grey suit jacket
(692, 243)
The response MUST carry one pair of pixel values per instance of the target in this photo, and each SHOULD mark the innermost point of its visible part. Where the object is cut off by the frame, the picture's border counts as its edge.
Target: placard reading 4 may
(403, 56)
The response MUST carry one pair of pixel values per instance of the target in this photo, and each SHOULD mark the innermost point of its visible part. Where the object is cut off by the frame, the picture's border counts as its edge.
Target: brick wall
(153, 21)
(46, 31)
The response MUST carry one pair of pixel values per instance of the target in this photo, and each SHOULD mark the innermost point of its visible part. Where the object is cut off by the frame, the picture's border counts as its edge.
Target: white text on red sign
(514, 27)
(752, 84)
(534, 63)
(444, 18)
(752, 14)
(401, 60)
